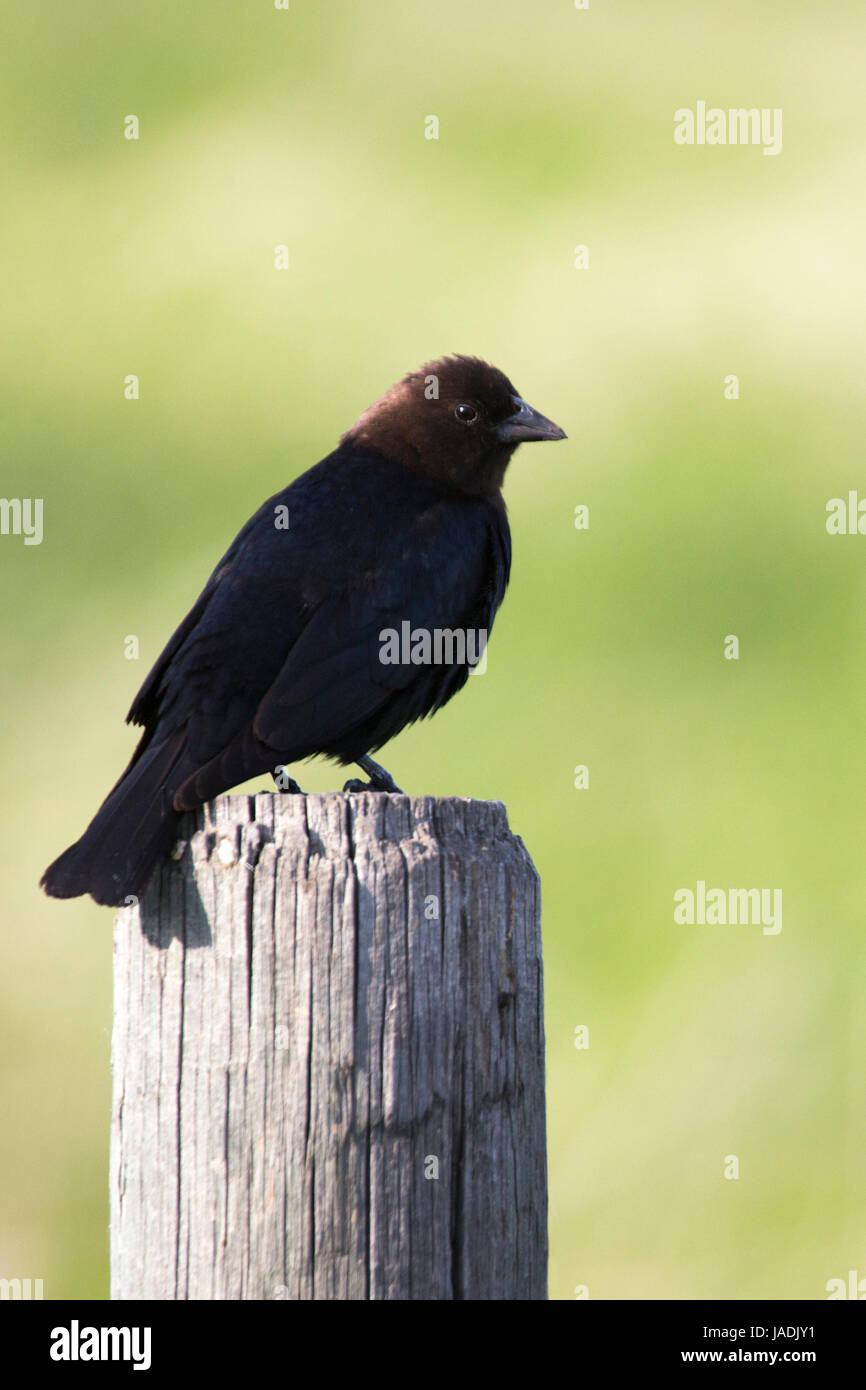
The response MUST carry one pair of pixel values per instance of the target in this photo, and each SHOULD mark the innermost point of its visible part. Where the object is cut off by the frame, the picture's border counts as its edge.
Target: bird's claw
(380, 780)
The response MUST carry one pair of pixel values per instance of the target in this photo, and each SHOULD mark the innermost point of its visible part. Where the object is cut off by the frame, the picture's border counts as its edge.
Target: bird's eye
(466, 413)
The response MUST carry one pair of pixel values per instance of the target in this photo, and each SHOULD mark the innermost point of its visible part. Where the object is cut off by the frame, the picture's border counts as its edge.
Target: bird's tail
(133, 827)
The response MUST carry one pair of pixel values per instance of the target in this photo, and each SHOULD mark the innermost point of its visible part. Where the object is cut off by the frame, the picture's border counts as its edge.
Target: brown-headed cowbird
(321, 629)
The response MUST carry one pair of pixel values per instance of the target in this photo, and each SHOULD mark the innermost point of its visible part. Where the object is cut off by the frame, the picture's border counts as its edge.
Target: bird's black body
(280, 657)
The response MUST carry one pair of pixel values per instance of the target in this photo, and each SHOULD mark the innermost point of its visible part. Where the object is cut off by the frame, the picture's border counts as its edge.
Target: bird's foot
(380, 780)
(284, 783)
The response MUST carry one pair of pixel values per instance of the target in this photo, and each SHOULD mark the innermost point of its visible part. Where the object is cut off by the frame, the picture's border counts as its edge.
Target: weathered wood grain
(328, 1057)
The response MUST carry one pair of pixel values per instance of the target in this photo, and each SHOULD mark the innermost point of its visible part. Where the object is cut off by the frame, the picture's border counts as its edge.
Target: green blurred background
(707, 517)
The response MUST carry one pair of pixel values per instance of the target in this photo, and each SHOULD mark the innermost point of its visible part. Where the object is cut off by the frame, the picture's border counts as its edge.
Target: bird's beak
(526, 424)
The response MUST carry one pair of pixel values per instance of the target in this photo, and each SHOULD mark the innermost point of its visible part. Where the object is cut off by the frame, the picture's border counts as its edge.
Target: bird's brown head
(457, 419)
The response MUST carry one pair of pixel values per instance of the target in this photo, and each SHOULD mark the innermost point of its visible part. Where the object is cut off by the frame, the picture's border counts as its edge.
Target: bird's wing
(442, 574)
(150, 699)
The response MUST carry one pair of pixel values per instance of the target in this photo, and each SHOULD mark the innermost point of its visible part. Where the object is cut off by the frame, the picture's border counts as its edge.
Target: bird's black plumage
(280, 657)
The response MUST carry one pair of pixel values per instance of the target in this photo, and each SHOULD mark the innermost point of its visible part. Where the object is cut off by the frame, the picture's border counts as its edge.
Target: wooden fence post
(328, 1057)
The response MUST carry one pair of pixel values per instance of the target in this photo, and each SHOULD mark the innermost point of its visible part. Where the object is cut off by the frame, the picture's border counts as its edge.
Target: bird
(402, 529)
